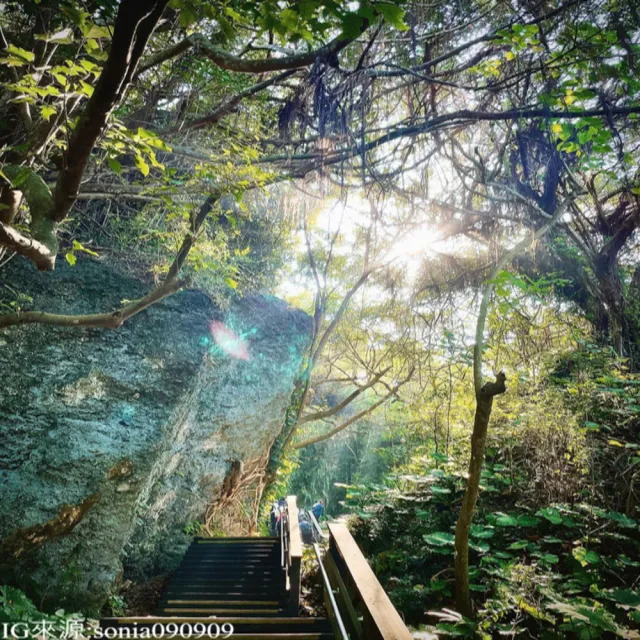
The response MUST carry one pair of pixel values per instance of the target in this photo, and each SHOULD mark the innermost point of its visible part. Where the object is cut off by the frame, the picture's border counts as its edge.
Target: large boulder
(114, 441)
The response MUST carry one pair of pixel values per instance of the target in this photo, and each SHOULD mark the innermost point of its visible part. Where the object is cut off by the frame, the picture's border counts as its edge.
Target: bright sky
(349, 216)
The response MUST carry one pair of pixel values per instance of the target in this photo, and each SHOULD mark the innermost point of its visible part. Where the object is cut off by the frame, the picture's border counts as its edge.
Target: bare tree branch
(327, 413)
(229, 105)
(355, 418)
(230, 62)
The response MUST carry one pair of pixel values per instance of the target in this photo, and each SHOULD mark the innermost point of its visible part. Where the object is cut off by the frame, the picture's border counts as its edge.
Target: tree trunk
(484, 403)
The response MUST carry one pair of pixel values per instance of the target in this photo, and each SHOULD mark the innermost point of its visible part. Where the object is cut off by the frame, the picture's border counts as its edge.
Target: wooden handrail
(294, 554)
(295, 539)
(380, 620)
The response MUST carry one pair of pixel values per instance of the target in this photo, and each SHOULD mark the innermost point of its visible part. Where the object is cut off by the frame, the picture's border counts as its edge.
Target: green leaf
(520, 544)
(71, 258)
(440, 490)
(625, 597)
(79, 247)
(141, 164)
(621, 519)
(97, 32)
(550, 514)
(351, 25)
(484, 533)
(440, 538)
(46, 112)
(21, 53)
(585, 557)
(393, 14)
(114, 165)
(528, 521)
(480, 547)
(504, 520)
(582, 613)
(231, 282)
(187, 17)
(550, 558)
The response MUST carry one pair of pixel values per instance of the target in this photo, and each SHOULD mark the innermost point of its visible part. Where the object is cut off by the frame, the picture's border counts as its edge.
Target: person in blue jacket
(318, 509)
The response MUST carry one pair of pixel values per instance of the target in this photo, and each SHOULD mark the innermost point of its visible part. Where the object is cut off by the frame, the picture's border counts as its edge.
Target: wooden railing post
(295, 555)
(359, 591)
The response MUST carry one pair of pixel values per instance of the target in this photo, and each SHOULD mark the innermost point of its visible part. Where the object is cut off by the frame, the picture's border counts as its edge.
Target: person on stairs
(318, 510)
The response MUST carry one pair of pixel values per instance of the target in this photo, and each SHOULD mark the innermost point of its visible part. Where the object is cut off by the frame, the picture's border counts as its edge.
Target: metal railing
(358, 607)
(334, 611)
(316, 525)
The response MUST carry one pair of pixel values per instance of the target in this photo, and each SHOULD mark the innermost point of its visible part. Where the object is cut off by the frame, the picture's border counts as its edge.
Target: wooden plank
(295, 555)
(383, 615)
(295, 539)
(224, 602)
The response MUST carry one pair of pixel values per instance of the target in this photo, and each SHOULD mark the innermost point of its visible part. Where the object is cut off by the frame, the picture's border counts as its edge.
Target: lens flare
(229, 341)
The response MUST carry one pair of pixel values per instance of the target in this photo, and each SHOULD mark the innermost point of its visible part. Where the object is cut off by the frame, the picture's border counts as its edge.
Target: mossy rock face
(114, 440)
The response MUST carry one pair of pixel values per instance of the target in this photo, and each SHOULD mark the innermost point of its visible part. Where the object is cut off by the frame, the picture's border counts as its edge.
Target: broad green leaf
(393, 14)
(141, 164)
(187, 17)
(484, 533)
(585, 557)
(46, 111)
(550, 558)
(21, 53)
(440, 538)
(528, 521)
(520, 544)
(550, 514)
(625, 597)
(97, 32)
(621, 519)
(504, 520)
(114, 165)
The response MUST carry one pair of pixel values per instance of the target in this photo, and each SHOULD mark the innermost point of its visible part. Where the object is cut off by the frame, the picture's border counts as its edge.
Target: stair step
(231, 557)
(213, 590)
(237, 547)
(261, 539)
(217, 611)
(223, 575)
(259, 579)
(181, 603)
(237, 567)
(233, 550)
(232, 562)
(198, 591)
(229, 585)
(269, 566)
